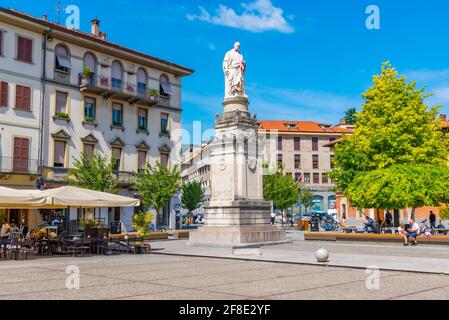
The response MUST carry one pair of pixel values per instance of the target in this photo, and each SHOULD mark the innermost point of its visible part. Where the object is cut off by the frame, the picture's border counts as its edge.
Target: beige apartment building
(300, 146)
(71, 92)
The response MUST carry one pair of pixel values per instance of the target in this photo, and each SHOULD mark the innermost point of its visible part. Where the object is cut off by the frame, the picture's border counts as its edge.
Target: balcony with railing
(125, 178)
(17, 165)
(117, 89)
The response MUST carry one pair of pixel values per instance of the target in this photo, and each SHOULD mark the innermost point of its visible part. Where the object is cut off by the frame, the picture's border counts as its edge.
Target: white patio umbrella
(12, 198)
(84, 198)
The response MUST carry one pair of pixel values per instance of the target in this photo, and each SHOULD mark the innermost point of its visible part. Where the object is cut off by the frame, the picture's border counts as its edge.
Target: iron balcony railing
(18, 165)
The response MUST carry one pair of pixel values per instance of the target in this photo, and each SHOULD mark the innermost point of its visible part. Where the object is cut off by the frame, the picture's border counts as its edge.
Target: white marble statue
(234, 69)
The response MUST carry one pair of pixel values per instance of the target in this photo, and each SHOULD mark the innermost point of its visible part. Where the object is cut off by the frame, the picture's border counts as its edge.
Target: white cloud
(427, 75)
(257, 16)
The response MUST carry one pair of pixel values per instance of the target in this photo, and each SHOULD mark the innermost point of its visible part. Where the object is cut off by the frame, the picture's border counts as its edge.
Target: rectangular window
(142, 159)
(298, 176)
(142, 120)
(279, 159)
(164, 160)
(325, 178)
(89, 108)
(297, 143)
(164, 123)
(61, 102)
(279, 143)
(24, 49)
(117, 114)
(1, 43)
(21, 154)
(141, 88)
(59, 154)
(315, 161)
(89, 149)
(297, 161)
(306, 177)
(23, 97)
(315, 144)
(117, 155)
(332, 160)
(316, 178)
(4, 88)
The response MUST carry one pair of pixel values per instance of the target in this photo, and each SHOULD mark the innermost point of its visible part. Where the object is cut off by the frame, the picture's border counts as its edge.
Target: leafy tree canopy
(281, 189)
(93, 172)
(350, 116)
(306, 197)
(394, 127)
(156, 185)
(192, 195)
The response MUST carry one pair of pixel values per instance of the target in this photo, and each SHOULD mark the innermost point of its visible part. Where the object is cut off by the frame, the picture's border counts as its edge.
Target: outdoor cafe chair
(26, 248)
(13, 249)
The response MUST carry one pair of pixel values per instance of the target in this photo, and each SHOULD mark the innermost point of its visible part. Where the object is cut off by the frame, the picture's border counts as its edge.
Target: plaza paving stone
(176, 277)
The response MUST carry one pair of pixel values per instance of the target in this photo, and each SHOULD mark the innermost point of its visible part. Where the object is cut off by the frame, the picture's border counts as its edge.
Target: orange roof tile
(300, 126)
(92, 37)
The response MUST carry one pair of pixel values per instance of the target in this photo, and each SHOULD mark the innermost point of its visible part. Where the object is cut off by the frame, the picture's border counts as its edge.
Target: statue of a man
(234, 69)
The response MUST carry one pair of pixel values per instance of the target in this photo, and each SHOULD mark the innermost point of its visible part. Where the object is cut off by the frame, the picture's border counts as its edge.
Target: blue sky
(307, 60)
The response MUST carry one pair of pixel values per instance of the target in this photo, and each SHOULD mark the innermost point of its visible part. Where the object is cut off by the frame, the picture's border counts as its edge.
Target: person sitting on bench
(403, 233)
(413, 232)
(369, 224)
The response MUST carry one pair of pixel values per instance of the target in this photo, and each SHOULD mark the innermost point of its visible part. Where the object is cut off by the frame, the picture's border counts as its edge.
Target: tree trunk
(412, 216)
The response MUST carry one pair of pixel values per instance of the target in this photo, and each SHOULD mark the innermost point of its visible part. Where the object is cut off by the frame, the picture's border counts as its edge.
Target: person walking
(388, 218)
(432, 219)
(273, 217)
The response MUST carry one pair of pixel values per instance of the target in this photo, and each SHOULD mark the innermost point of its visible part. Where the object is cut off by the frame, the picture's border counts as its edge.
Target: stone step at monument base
(237, 236)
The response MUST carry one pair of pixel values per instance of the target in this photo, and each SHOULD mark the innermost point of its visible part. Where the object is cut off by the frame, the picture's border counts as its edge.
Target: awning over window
(165, 85)
(63, 61)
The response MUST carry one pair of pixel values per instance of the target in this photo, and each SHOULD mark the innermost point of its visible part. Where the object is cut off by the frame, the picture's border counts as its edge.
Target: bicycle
(329, 224)
(423, 228)
(384, 228)
(157, 228)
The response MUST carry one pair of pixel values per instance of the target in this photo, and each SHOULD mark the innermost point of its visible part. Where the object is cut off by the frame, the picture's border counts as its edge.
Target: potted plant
(63, 115)
(90, 227)
(89, 119)
(153, 94)
(86, 75)
(141, 221)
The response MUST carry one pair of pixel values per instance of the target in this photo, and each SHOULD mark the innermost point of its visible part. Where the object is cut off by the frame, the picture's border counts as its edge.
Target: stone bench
(181, 234)
(369, 237)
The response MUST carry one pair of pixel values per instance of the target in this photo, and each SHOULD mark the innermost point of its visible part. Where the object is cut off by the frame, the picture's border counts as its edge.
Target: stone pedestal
(237, 215)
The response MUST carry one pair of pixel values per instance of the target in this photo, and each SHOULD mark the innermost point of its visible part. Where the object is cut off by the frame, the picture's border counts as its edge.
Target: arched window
(62, 58)
(141, 81)
(90, 61)
(164, 86)
(116, 75)
(317, 203)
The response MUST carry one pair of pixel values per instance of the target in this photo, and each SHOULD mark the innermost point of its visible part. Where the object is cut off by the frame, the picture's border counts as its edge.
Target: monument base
(237, 236)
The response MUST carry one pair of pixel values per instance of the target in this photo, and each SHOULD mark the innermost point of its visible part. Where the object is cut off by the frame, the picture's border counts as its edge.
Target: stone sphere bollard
(322, 255)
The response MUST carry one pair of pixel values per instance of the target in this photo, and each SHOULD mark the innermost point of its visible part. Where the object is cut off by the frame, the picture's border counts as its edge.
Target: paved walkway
(394, 257)
(176, 277)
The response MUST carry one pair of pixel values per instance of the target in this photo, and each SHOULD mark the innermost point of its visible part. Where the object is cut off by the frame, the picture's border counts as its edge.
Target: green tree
(306, 197)
(192, 196)
(281, 189)
(395, 130)
(93, 172)
(141, 221)
(351, 116)
(157, 185)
